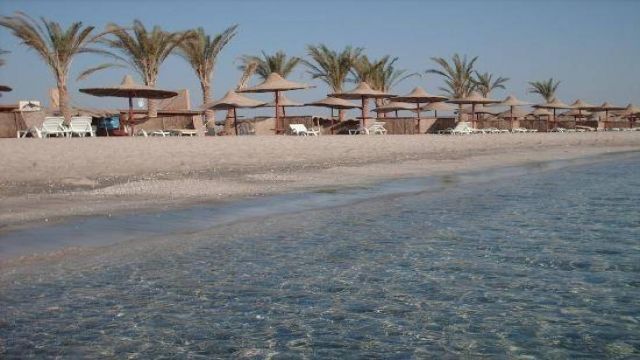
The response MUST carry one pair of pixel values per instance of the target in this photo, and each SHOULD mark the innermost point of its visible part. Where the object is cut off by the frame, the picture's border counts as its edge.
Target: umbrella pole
(511, 119)
(418, 113)
(473, 115)
(363, 114)
(235, 121)
(277, 121)
(130, 119)
(606, 118)
(396, 114)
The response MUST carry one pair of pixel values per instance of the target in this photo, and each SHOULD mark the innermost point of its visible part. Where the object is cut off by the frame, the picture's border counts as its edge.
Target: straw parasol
(632, 113)
(284, 102)
(473, 99)
(437, 106)
(394, 106)
(554, 104)
(130, 89)
(275, 83)
(511, 101)
(581, 105)
(606, 107)
(419, 96)
(363, 92)
(233, 100)
(333, 103)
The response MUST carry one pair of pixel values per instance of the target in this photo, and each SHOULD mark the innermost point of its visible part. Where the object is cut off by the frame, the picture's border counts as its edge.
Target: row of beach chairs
(377, 128)
(54, 126)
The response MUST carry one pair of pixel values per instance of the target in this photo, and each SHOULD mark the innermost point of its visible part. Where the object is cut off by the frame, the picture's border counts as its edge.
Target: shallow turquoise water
(545, 264)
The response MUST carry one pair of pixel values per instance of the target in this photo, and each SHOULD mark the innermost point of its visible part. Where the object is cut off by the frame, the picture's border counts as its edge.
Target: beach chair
(81, 126)
(462, 128)
(519, 130)
(301, 130)
(377, 128)
(53, 125)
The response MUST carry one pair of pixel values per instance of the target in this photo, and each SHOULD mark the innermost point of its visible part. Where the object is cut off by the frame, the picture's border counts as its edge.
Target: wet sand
(53, 179)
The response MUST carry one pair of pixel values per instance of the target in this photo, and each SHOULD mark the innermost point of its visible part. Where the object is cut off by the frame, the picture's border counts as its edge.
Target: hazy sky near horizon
(591, 46)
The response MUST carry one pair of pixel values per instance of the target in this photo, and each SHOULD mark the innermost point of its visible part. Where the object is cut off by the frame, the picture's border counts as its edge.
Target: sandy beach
(49, 180)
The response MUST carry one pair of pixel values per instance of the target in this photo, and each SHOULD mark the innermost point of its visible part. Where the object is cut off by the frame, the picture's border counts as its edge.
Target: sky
(592, 47)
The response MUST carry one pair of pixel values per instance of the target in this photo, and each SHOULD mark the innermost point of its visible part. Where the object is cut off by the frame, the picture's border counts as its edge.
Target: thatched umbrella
(632, 113)
(554, 104)
(606, 107)
(437, 106)
(129, 89)
(333, 103)
(362, 92)
(275, 83)
(233, 100)
(581, 105)
(473, 99)
(511, 101)
(419, 96)
(394, 106)
(284, 102)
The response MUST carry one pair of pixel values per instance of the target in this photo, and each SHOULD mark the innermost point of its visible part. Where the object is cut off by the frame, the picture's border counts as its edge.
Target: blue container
(109, 123)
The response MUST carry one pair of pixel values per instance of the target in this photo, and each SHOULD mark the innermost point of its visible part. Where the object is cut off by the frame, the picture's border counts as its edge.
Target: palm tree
(458, 76)
(546, 88)
(485, 83)
(331, 66)
(247, 73)
(56, 46)
(380, 74)
(144, 50)
(201, 52)
(278, 63)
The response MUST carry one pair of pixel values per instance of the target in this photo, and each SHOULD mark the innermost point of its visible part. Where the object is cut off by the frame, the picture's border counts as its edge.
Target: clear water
(545, 264)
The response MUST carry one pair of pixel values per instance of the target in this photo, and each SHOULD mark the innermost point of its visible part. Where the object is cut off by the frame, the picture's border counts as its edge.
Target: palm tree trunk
(228, 122)
(63, 99)
(378, 104)
(209, 115)
(152, 105)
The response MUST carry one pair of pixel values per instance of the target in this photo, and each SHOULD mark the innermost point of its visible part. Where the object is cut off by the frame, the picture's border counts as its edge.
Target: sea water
(544, 263)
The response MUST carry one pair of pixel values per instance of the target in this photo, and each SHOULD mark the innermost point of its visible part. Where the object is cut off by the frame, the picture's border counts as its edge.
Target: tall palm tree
(332, 67)
(56, 46)
(546, 88)
(458, 76)
(201, 51)
(266, 64)
(278, 63)
(144, 50)
(381, 74)
(485, 83)
(247, 73)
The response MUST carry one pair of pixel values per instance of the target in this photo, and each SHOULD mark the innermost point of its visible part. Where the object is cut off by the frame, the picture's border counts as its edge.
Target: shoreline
(148, 184)
(84, 235)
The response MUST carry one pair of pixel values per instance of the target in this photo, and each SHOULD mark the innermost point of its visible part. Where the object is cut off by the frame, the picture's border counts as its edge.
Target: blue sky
(591, 46)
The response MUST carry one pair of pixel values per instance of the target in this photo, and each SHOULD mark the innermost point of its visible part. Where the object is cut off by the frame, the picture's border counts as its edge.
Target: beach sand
(50, 180)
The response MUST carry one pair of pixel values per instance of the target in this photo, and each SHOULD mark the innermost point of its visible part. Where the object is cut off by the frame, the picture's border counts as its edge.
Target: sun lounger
(519, 130)
(377, 128)
(461, 128)
(301, 130)
(53, 125)
(183, 132)
(81, 126)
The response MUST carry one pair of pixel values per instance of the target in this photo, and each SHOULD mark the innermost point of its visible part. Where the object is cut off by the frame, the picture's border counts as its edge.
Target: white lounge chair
(301, 130)
(519, 130)
(53, 125)
(377, 128)
(81, 126)
(462, 128)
